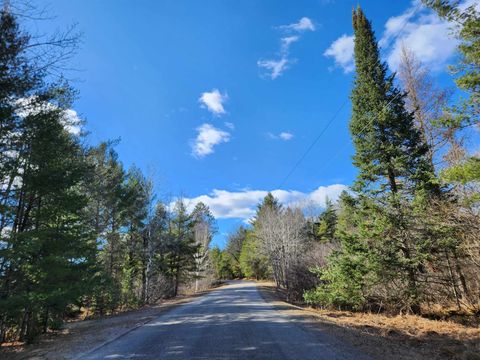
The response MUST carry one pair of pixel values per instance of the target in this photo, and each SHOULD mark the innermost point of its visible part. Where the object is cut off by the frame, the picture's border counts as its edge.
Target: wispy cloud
(286, 136)
(286, 42)
(213, 101)
(282, 136)
(273, 68)
(242, 204)
(304, 24)
(229, 125)
(207, 138)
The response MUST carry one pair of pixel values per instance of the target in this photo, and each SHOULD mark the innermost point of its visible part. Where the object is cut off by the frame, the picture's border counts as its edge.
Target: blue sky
(218, 99)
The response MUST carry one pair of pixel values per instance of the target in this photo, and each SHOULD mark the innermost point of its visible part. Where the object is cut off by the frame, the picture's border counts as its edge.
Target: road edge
(162, 311)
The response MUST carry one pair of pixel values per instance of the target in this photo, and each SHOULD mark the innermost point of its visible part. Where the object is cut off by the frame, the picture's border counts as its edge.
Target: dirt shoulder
(383, 337)
(83, 336)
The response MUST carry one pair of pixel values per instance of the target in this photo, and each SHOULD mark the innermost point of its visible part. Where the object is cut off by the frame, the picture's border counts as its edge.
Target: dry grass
(388, 337)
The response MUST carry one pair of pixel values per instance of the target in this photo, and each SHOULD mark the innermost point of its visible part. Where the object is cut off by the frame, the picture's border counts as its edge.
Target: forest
(82, 234)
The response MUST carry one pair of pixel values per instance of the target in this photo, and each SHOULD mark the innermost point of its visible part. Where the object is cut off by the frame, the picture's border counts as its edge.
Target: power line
(361, 131)
(313, 143)
(325, 166)
(317, 138)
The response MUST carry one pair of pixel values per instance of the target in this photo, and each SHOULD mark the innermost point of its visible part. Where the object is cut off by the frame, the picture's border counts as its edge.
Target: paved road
(232, 322)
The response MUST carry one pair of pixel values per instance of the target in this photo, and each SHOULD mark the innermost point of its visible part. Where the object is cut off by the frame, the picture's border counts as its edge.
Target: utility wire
(313, 143)
(325, 128)
(325, 166)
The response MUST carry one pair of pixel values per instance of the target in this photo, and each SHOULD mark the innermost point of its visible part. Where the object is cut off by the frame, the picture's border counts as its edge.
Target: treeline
(406, 237)
(80, 234)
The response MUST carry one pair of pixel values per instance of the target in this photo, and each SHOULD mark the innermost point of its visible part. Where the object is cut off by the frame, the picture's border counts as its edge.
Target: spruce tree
(327, 223)
(380, 259)
(389, 152)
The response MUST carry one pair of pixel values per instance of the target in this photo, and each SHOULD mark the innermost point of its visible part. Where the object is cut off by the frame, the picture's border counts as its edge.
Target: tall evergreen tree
(181, 249)
(204, 229)
(389, 152)
(47, 246)
(327, 223)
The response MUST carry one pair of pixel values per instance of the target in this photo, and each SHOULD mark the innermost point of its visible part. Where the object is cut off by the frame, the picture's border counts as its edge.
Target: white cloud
(208, 137)
(274, 68)
(242, 204)
(286, 136)
(213, 101)
(341, 50)
(282, 136)
(420, 29)
(72, 122)
(395, 24)
(286, 42)
(33, 106)
(303, 24)
(425, 34)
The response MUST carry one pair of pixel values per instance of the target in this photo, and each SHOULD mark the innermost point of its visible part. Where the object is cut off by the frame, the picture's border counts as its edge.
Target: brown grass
(387, 337)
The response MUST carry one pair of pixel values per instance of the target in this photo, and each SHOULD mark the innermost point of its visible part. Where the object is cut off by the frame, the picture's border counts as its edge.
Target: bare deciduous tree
(283, 239)
(427, 101)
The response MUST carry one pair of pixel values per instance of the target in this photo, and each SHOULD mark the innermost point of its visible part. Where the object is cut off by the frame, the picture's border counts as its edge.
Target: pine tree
(138, 196)
(47, 245)
(181, 249)
(204, 229)
(252, 262)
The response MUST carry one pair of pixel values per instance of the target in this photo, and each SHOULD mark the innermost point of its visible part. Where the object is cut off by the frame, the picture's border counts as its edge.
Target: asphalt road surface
(232, 322)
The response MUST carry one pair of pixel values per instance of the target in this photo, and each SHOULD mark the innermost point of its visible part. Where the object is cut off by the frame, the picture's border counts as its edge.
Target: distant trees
(203, 230)
(235, 243)
(253, 263)
(282, 238)
(241, 258)
(326, 224)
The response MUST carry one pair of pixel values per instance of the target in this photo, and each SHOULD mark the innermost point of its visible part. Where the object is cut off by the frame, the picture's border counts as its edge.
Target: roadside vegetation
(405, 238)
(81, 235)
